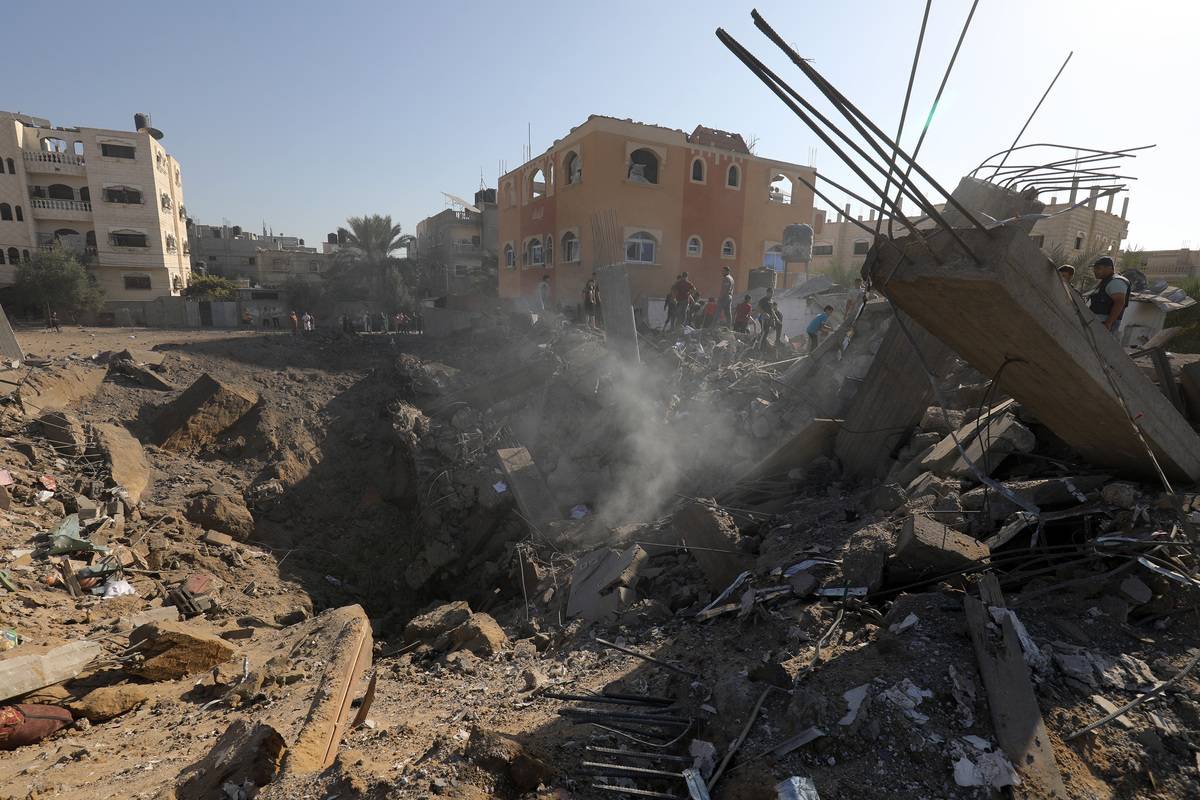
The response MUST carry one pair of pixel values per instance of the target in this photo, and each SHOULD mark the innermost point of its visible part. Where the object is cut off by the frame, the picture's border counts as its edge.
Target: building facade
(659, 200)
(114, 197)
(456, 248)
(232, 252)
(275, 267)
(1084, 231)
(1171, 265)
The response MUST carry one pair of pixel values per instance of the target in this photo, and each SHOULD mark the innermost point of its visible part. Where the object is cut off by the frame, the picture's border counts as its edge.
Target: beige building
(115, 197)
(275, 267)
(456, 248)
(1083, 231)
(1171, 265)
(659, 200)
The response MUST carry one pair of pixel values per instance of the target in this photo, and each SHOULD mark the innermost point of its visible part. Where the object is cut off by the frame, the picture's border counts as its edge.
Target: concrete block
(125, 458)
(989, 448)
(597, 579)
(525, 481)
(927, 549)
(717, 541)
(205, 410)
(945, 453)
(1011, 308)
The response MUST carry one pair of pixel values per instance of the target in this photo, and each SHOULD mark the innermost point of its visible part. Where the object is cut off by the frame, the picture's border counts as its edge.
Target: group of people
(379, 322)
(684, 307)
(302, 322)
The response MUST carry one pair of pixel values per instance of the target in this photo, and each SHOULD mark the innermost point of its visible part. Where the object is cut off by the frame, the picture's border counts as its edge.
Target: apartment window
(861, 247)
(510, 257)
(461, 270)
(20, 213)
(12, 170)
(85, 194)
(78, 148)
(822, 250)
(698, 170)
(640, 248)
(570, 246)
(171, 245)
(695, 247)
(212, 258)
(58, 191)
(779, 190)
(728, 249)
(118, 151)
(549, 250)
(25, 256)
(252, 261)
(1038, 238)
(574, 167)
(733, 178)
(1079, 242)
(1, 251)
(139, 282)
(165, 200)
(14, 255)
(1, 170)
(537, 185)
(643, 166)
(122, 194)
(128, 239)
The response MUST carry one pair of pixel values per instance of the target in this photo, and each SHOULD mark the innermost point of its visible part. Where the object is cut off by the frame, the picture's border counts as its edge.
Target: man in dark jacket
(1111, 296)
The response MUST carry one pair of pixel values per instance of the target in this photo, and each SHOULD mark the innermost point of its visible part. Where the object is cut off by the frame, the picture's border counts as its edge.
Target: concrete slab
(616, 297)
(525, 481)
(1013, 310)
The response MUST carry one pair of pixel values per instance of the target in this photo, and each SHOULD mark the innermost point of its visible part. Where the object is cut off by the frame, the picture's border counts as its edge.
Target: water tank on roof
(141, 122)
(797, 243)
(331, 238)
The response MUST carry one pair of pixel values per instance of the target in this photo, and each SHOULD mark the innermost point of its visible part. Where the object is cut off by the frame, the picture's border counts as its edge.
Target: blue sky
(303, 113)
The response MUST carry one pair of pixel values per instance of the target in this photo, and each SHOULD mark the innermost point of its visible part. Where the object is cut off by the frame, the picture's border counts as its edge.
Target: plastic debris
(118, 588)
(854, 700)
(797, 788)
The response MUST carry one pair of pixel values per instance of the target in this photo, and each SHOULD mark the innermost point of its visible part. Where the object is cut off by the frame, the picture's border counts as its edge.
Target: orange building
(679, 202)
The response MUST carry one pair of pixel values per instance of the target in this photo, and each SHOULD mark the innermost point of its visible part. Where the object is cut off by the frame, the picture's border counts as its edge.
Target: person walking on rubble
(725, 298)
(682, 292)
(817, 324)
(589, 303)
(544, 294)
(671, 306)
(307, 322)
(1111, 296)
(741, 315)
(52, 322)
(769, 318)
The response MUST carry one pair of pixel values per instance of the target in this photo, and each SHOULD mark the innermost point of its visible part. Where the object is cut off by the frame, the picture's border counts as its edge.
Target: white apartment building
(115, 197)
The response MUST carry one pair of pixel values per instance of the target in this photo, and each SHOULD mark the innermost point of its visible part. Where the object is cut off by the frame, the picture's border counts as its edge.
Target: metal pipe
(912, 76)
(644, 771)
(1035, 110)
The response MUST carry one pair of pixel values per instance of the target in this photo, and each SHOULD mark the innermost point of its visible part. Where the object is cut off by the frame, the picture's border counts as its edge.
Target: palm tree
(374, 237)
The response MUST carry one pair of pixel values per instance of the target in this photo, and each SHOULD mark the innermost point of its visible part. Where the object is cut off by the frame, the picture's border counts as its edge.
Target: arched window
(861, 247)
(510, 257)
(640, 248)
(535, 254)
(537, 184)
(20, 213)
(12, 169)
(643, 166)
(698, 170)
(728, 249)
(59, 191)
(79, 148)
(780, 190)
(695, 247)
(570, 247)
(13, 255)
(90, 239)
(549, 249)
(733, 178)
(6, 212)
(573, 166)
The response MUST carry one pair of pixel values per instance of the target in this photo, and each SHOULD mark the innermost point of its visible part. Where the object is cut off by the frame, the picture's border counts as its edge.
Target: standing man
(1109, 299)
(52, 322)
(589, 303)
(725, 298)
(294, 318)
(769, 318)
(681, 293)
(817, 324)
(544, 293)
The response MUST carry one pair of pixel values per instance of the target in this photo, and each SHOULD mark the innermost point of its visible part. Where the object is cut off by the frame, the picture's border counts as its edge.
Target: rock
(432, 624)
(701, 524)
(866, 556)
(1136, 591)
(125, 457)
(481, 635)
(462, 661)
(534, 679)
(503, 755)
(937, 420)
(886, 497)
(225, 513)
(107, 702)
(927, 549)
(1002, 436)
(144, 377)
(173, 650)
(247, 752)
(1120, 494)
(205, 409)
(64, 432)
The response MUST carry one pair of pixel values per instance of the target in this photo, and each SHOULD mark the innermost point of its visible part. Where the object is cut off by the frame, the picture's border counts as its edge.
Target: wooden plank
(1016, 717)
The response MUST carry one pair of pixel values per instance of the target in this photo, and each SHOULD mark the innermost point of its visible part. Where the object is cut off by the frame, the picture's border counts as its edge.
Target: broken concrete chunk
(22, 674)
(886, 497)
(1136, 591)
(598, 578)
(206, 409)
(125, 458)
(939, 420)
(481, 635)
(1004, 435)
(945, 453)
(173, 650)
(505, 756)
(144, 377)
(928, 549)
(225, 513)
(248, 753)
(108, 702)
(1120, 494)
(1044, 493)
(64, 432)
(432, 624)
(866, 557)
(711, 531)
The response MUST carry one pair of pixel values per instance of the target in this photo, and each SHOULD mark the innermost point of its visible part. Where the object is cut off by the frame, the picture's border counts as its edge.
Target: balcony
(43, 208)
(55, 163)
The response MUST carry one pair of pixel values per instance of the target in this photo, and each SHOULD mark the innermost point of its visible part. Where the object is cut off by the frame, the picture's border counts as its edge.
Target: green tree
(365, 267)
(373, 237)
(212, 287)
(54, 280)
